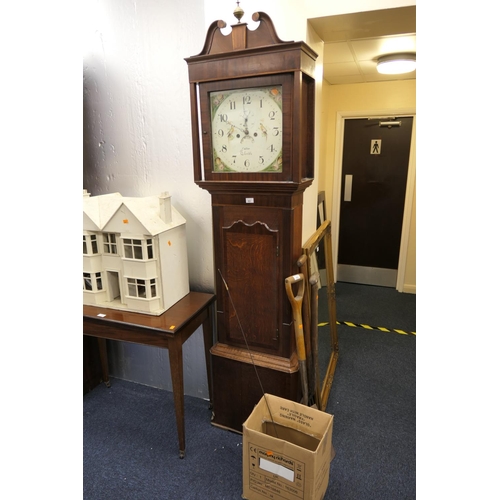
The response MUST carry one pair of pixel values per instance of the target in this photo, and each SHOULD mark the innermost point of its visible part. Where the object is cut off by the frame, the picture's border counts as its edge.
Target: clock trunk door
(250, 259)
(250, 254)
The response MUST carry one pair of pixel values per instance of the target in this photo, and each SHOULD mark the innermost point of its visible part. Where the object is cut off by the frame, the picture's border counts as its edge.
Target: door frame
(110, 272)
(410, 183)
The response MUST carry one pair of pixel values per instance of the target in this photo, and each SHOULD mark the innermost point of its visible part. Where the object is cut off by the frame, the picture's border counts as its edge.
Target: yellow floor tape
(368, 327)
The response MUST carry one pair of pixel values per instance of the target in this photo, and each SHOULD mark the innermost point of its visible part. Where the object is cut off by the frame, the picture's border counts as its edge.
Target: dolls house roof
(154, 213)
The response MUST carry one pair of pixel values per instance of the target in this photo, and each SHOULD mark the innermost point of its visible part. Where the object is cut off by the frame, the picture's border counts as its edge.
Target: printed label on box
(274, 475)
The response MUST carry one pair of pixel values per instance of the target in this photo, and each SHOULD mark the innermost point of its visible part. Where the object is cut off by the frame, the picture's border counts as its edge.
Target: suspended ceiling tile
(343, 69)
(377, 77)
(369, 24)
(336, 52)
(368, 67)
(360, 39)
(334, 79)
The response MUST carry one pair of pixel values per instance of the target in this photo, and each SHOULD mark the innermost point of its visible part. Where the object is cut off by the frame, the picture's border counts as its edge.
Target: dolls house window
(110, 246)
(143, 289)
(87, 282)
(90, 244)
(92, 282)
(132, 248)
(137, 249)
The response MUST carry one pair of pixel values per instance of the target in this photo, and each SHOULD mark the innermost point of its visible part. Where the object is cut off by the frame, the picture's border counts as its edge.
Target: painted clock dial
(247, 130)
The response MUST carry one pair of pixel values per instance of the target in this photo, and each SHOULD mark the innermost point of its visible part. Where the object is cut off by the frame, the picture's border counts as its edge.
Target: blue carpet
(130, 439)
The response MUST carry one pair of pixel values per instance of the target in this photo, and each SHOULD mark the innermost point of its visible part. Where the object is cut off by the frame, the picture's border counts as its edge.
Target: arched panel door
(251, 263)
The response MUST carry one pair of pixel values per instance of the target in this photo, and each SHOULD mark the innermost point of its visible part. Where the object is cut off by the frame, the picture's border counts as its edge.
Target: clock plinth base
(236, 386)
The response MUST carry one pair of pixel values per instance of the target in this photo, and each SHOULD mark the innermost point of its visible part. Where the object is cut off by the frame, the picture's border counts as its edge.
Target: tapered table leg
(208, 337)
(176, 371)
(103, 354)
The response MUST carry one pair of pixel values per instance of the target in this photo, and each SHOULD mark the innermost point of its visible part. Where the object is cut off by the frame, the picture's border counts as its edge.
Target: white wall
(137, 141)
(137, 135)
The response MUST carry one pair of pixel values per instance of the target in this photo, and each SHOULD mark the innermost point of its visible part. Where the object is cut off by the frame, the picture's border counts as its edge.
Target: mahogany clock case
(257, 215)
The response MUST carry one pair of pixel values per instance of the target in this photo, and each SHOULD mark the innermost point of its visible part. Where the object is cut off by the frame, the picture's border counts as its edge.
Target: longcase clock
(252, 108)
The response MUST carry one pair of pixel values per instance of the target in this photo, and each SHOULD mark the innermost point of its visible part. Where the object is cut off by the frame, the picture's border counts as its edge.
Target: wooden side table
(169, 330)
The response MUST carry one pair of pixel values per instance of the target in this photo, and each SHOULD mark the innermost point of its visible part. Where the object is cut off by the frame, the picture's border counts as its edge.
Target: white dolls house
(134, 253)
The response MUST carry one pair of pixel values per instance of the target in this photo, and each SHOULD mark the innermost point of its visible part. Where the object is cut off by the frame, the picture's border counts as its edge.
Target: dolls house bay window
(145, 289)
(92, 281)
(134, 253)
(90, 244)
(137, 248)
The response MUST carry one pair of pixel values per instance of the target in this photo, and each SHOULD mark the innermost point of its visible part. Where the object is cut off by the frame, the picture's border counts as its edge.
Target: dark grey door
(374, 174)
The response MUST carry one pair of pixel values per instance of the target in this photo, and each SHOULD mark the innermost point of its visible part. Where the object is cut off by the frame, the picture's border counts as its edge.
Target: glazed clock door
(250, 255)
(244, 126)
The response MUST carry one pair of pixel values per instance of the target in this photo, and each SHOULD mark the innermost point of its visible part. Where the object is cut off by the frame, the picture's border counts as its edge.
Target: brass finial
(238, 12)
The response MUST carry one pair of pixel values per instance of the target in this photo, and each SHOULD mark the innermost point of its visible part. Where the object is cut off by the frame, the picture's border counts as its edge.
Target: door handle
(348, 188)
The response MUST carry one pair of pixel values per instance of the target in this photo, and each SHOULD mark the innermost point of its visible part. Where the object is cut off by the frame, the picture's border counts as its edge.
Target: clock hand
(236, 126)
(246, 126)
(245, 131)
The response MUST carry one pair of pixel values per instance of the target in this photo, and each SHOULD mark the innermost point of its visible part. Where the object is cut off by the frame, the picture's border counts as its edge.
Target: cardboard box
(287, 450)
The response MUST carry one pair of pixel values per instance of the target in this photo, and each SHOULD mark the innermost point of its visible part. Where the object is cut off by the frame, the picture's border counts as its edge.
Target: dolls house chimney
(165, 207)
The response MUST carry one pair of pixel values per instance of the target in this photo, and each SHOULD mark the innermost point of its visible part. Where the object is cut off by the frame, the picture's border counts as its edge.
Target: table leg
(176, 373)
(103, 354)
(208, 337)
